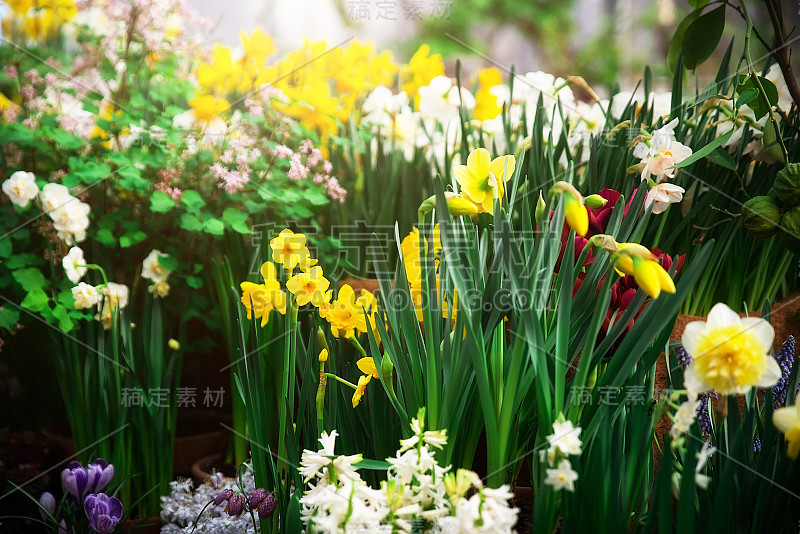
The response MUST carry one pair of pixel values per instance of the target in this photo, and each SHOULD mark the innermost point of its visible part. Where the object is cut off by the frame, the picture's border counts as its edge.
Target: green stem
(342, 380)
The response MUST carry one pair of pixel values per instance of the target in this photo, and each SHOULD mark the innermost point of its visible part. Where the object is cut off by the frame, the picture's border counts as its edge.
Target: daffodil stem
(757, 81)
(354, 341)
(97, 268)
(342, 380)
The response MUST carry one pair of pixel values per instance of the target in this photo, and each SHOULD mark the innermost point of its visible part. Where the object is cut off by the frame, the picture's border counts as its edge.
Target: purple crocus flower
(103, 512)
(80, 481)
(48, 504)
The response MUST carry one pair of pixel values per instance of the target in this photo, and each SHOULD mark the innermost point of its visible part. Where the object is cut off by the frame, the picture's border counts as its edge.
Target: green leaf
(90, 172)
(236, 219)
(191, 223)
(21, 259)
(757, 102)
(35, 300)
(160, 202)
(697, 4)
(66, 299)
(5, 247)
(8, 317)
(702, 37)
(677, 37)
(705, 151)
(194, 282)
(132, 238)
(132, 179)
(192, 200)
(30, 278)
(170, 263)
(721, 157)
(214, 227)
(64, 322)
(105, 237)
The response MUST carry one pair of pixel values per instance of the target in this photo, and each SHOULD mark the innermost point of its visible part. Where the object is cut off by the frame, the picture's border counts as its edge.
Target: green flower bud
(787, 184)
(789, 233)
(761, 216)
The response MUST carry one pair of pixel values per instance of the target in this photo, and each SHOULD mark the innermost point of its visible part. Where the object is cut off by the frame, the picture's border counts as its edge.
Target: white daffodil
(21, 188)
(729, 354)
(563, 477)
(662, 195)
(684, 417)
(662, 153)
(566, 438)
(152, 269)
(74, 265)
(85, 296)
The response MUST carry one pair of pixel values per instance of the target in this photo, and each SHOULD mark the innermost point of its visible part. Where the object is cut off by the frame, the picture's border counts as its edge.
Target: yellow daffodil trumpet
(635, 260)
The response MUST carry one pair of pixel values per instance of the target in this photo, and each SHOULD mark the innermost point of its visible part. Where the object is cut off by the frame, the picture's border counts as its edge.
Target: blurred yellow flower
(486, 106)
(367, 366)
(634, 259)
(787, 420)
(483, 179)
(361, 389)
(729, 354)
(421, 69)
(289, 249)
(309, 286)
(412, 261)
(257, 47)
(207, 108)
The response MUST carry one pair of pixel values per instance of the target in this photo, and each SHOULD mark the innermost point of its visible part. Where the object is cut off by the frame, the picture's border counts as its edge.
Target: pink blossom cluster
(241, 152)
(13, 155)
(309, 160)
(169, 177)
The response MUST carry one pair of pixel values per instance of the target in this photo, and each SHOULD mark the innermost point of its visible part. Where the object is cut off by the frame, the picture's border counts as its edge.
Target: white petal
(722, 315)
(690, 333)
(692, 382)
(761, 328)
(771, 374)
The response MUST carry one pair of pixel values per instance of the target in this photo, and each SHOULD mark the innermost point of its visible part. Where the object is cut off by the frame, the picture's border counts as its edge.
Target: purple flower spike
(103, 512)
(236, 505)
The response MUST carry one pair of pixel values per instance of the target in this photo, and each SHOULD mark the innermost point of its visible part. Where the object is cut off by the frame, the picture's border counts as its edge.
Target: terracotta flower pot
(199, 434)
(202, 468)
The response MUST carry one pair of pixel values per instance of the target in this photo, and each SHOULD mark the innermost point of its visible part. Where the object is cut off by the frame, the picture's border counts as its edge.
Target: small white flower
(684, 417)
(563, 477)
(21, 188)
(662, 154)
(662, 195)
(566, 438)
(74, 265)
(85, 296)
(152, 269)
(161, 289)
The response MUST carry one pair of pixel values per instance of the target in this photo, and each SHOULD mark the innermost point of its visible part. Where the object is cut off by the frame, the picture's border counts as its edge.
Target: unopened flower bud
(48, 502)
(173, 344)
(595, 202)
(323, 355)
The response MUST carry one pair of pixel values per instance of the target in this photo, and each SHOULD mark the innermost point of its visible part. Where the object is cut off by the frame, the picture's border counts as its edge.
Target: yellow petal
(367, 366)
(478, 162)
(503, 167)
(268, 271)
(647, 276)
(576, 215)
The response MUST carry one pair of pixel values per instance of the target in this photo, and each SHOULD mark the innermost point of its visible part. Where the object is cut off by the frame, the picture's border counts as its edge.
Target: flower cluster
(85, 484)
(563, 443)
(417, 495)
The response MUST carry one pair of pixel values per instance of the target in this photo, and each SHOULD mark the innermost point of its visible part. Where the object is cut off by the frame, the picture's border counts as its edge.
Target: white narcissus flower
(152, 269)
(565, 438)
(662, 195)
(684, 417)
(729, 354)
(441, 100)
(21, 188)
(85, 296)
(787, 420)
(70, 216)
(663, 153)
(161, 289)
(74, 265)
(563, 477)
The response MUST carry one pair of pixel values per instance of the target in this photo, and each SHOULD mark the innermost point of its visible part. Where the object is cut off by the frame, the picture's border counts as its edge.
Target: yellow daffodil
(289, 249)
(635, 260)
(729, 354)
(308, 286)
(361, 389)
(574, 209)
(265, 297)
(257, 46)
(345, 317)
(367, 366)
(323, 355)
(483, 179)
(409, 247)
(207, 108)
(787, 420)
(486, 106)
(421, 69)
